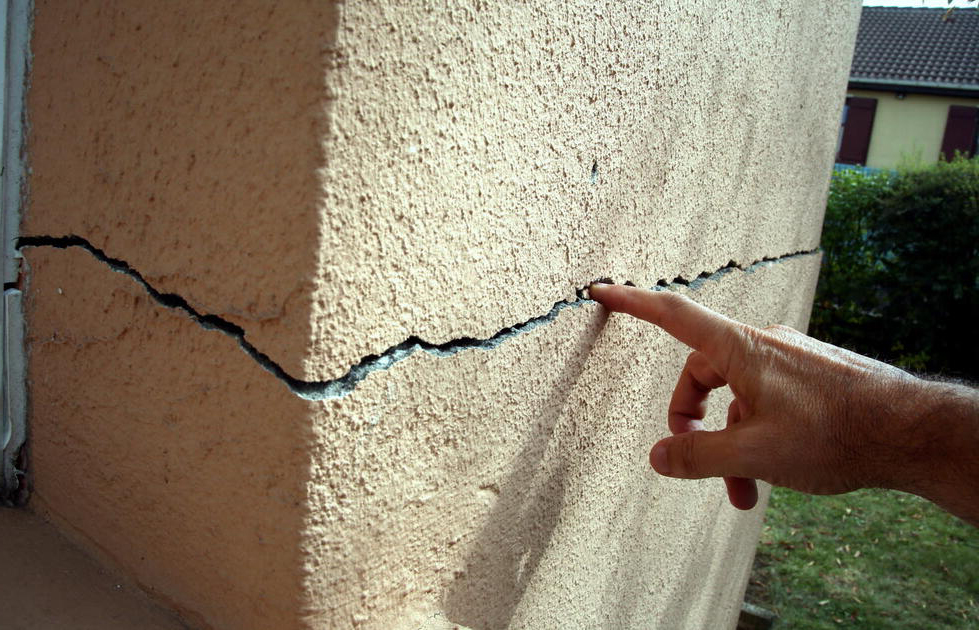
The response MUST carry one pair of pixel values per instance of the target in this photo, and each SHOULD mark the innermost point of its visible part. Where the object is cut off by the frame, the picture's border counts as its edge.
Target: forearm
(946, 467)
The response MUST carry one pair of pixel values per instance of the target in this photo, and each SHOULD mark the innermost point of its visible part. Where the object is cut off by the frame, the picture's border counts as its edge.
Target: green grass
(868, 559)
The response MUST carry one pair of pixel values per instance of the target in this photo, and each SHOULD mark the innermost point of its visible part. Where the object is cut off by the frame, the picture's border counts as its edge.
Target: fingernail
(657, 458)
(600, 284)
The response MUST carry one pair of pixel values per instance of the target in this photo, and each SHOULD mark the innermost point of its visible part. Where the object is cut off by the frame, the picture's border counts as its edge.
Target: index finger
(695, 325)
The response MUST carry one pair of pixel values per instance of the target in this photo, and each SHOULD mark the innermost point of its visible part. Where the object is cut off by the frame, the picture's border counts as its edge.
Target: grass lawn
(868, 559)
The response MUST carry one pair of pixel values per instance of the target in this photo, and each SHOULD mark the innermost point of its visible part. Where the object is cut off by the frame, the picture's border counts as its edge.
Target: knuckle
(692, 359)
(687, 455)
(748, 333)
(675, 302)
(740, 346)
(674, 299)
(780, 329)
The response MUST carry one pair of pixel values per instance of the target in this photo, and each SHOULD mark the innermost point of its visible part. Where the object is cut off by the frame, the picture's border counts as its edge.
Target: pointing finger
(693, 324)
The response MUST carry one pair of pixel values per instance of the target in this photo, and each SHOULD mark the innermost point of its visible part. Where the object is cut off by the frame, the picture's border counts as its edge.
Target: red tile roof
(916, 46)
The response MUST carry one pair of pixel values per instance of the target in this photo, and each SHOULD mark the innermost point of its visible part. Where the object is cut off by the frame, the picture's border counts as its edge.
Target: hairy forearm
(946, 467)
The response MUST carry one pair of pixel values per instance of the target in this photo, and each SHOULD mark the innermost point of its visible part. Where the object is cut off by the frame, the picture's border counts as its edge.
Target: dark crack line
(343, 385)
(170, 300)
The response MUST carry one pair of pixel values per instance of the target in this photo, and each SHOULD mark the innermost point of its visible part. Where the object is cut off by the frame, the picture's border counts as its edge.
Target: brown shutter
(856, 130)
(960, 131)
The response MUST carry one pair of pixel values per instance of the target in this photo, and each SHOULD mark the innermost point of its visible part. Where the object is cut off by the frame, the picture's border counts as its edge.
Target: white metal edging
(15, 16)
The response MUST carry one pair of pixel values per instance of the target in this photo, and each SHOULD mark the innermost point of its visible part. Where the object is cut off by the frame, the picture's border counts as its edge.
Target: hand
(806, 415)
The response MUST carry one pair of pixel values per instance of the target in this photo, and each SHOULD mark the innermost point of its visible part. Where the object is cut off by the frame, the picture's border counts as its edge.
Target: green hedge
(900, 274)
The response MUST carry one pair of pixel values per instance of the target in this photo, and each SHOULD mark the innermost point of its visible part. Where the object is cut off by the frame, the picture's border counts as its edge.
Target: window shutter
(960, 131)
(856, 130)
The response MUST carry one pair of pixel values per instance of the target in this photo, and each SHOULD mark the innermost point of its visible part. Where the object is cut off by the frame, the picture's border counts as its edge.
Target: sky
(918, 3)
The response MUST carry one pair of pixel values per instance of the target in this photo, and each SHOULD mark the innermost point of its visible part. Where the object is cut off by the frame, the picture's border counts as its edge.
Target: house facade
(913, 93)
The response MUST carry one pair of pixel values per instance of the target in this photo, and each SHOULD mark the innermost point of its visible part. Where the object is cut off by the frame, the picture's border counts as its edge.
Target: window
(960, 131)
(858, 122)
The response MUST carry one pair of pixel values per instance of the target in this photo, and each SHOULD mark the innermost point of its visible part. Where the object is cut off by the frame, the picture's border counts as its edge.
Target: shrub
(900, 276)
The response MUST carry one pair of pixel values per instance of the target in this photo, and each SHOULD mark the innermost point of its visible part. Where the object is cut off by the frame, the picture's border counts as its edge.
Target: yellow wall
(907, 128)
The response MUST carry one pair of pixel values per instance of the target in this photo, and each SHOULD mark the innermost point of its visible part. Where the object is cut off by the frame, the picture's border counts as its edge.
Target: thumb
(695, 455)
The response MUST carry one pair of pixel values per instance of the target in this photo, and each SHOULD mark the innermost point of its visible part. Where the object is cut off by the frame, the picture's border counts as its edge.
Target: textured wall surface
(265, 197)
(511, 487)
(185, 139)
(540, 148)
(163, 447)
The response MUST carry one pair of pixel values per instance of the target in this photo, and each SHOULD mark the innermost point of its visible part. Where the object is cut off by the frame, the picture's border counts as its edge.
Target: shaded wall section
(185, 139)
(155, 445)
(418, 192)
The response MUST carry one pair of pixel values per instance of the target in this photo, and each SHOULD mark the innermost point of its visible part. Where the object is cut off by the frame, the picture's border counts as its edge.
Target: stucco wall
(260, 198)
(523, 497)
(908, 129)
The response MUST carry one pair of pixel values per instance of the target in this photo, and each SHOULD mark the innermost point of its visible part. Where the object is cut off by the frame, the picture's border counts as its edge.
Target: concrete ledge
(46, 582)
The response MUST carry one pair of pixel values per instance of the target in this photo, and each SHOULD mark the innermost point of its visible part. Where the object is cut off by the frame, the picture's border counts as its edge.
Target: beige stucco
(161, 447)
(336, 179)
(523, 497)
(186, 141)
(908, 129)
(338, 153)
(479, 130)
(487, 488)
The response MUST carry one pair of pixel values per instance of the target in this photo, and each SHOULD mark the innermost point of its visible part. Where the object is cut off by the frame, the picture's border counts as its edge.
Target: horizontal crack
(343, 385)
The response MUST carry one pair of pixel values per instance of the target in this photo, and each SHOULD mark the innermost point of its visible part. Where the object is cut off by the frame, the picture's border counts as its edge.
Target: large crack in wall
(343, 385)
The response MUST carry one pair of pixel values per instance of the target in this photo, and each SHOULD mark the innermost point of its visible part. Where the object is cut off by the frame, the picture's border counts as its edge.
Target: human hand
(806, 415)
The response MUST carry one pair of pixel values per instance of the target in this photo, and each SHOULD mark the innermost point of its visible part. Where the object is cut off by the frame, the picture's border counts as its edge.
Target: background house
(914, 87)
